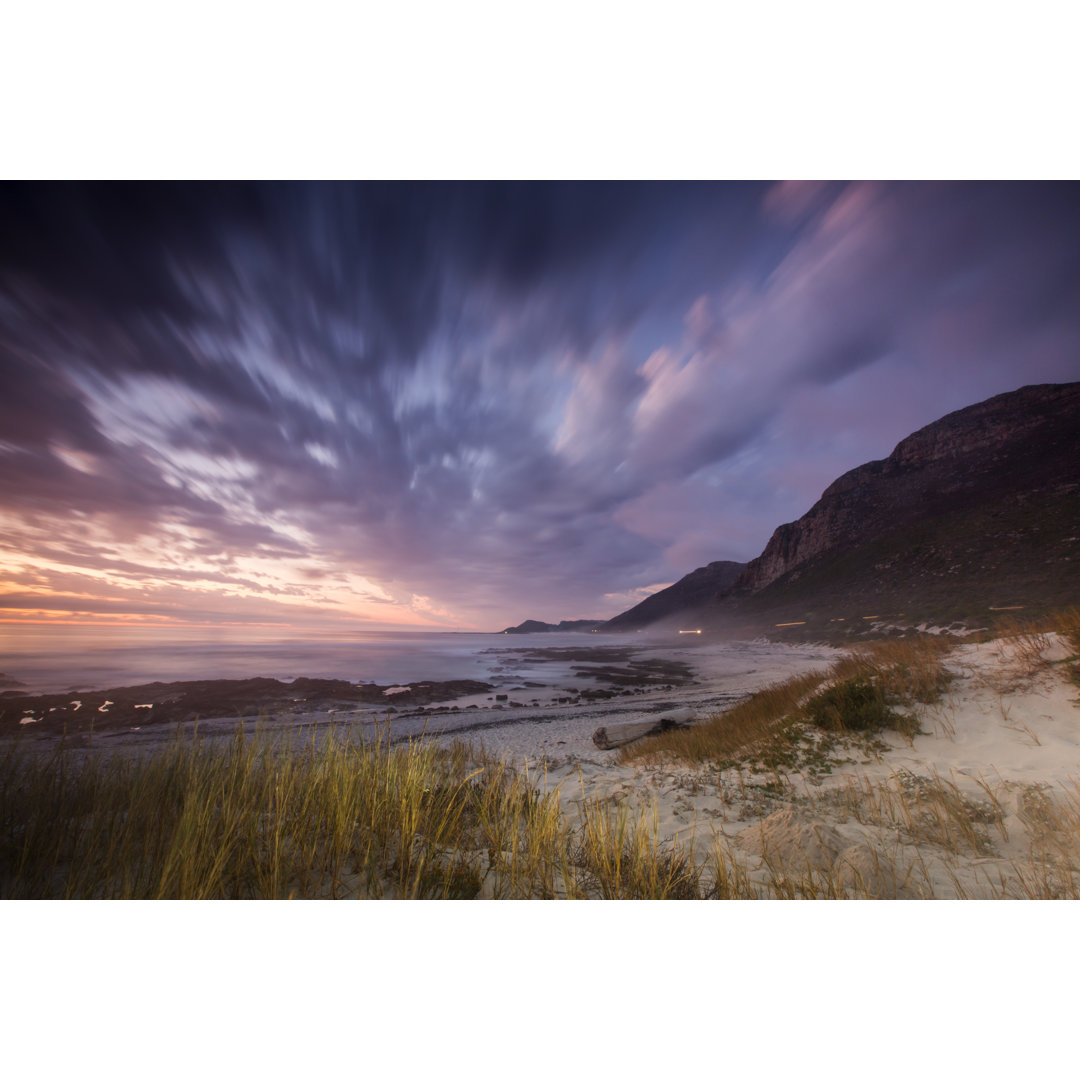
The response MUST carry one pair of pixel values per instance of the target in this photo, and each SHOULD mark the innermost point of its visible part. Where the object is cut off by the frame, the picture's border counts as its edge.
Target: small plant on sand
(857, 704)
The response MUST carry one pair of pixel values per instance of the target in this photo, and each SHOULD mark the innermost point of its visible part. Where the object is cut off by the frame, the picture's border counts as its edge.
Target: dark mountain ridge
(699, 587)
(977, 511)
(573, 626)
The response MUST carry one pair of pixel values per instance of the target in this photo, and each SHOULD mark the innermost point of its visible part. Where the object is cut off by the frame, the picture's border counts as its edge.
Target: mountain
(532, 626)
(699, 587)
(979, 511)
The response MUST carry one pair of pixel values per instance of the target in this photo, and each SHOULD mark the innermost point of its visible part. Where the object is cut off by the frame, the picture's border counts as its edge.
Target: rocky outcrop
(1016, 442)
(976, 512)
(163, 703)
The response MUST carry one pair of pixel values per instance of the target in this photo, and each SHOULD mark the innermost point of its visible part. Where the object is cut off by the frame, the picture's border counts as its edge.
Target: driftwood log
(611, 738)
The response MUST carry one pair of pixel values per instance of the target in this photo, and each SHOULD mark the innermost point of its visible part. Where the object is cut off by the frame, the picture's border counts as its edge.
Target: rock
(210, 698)
(967, 455)
(530, 626)
(614, 736)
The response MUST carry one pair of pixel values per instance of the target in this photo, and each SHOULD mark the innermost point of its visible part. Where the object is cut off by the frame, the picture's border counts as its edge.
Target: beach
(983, 803)
(976, 797)
(522, 695)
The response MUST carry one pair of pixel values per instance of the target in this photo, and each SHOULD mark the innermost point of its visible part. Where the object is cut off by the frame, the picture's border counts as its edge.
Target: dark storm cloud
(478, 393)
(390, 260)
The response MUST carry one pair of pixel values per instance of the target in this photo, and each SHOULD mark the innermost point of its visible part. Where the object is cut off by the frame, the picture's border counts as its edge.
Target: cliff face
(977, 511)
(1013, 443)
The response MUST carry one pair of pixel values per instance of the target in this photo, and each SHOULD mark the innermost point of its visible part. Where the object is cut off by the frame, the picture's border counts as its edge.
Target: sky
(458, 406)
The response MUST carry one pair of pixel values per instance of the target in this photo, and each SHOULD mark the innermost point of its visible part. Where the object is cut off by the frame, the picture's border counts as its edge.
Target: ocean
(61, 659)
(54, 658)
(57, 659)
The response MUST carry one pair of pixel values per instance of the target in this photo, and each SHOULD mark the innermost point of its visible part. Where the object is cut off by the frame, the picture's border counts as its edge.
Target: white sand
(1007, 730)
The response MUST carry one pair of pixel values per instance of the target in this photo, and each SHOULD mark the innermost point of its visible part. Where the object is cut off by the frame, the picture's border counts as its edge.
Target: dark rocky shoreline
(157, 703)
(616, 671)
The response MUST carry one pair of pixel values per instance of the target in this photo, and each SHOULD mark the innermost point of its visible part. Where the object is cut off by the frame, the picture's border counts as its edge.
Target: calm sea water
(47, 659)
(61, 658)
(74, 658)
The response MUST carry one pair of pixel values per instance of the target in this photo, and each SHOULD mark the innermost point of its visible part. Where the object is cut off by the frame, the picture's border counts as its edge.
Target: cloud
(791, 201)
(475, 404)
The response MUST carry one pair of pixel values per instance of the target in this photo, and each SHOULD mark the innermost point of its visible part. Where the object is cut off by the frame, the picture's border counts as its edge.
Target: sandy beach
(1002, 748)
(981, 802)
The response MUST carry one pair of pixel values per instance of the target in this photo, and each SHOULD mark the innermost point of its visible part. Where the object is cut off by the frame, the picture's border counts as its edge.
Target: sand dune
(984, 803)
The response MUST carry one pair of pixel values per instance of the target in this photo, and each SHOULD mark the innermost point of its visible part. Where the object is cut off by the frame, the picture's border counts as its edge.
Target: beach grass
(261, 817)
(328, 817)
(332, 814)
(855, 694)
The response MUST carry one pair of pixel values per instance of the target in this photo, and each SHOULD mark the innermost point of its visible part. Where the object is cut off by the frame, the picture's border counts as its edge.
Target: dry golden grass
(733, 733)
(1026, 641)
(619, 855)
(260, 818)
(909, 672)
(332, 817)
(928, 810)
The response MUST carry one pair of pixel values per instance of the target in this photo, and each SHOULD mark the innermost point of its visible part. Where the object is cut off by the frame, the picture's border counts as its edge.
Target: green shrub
(856, 704)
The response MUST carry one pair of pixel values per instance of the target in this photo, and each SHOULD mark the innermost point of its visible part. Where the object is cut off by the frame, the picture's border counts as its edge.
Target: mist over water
(61, 659)
(47, 659)
(538, 701)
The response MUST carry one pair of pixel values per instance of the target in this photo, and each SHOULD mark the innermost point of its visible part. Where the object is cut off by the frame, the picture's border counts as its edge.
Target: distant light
(689, 631)
(803, 623)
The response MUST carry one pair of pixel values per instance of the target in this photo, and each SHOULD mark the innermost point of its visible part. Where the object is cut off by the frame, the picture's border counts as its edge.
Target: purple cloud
(465, 405)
